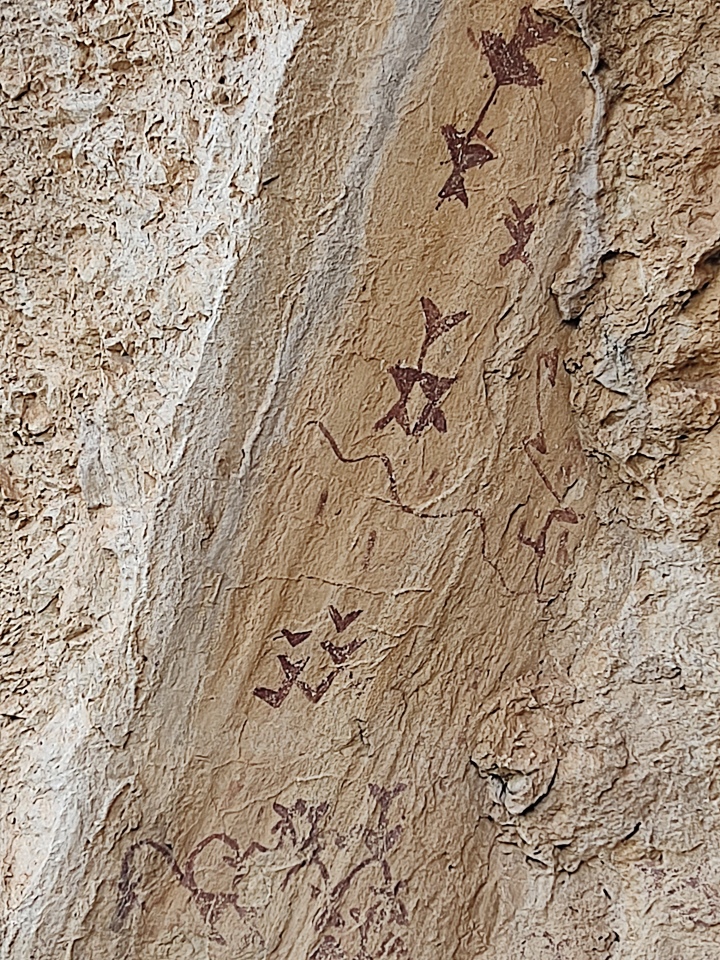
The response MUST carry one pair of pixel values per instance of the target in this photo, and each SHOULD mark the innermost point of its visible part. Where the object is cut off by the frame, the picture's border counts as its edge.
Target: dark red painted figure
(405, 379)
(463, 156)
(507, 60)
(295, 639)
(342, 654)
(436, 325)
(301, 820)
(292, 671)
(342, 621)
(434, 388)
(520, 227)
(510, 67)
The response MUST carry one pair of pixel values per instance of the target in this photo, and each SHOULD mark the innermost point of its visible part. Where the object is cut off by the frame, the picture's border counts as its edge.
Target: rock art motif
(378, 923)
(507, 60)
(357, 895)
(293, 669)
(520, 227)
(434, 388)
(464, 155)
(510, 67)
(342, 621)
(295, 639)
(536, 448)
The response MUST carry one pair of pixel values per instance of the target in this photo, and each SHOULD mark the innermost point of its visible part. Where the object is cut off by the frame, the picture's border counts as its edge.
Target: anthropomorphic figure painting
(359, 910)
(510, 66)
(407, 378)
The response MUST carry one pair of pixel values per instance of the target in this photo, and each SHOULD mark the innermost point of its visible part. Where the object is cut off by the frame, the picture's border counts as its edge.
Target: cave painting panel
(358, 911)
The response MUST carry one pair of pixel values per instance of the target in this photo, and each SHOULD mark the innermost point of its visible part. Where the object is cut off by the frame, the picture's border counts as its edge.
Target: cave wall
(359, 465)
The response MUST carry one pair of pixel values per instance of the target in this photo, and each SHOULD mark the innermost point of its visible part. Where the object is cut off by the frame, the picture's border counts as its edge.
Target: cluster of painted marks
(510, 66)
(434, 388)
(536, 450)
(292, 670)
(470, 150)
(359, 908)
(373, 924)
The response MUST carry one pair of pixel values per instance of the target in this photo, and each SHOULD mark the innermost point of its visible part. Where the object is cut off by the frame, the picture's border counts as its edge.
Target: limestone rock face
(360, 467)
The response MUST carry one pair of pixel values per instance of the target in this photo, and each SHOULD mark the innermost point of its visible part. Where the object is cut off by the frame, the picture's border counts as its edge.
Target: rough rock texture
(360, 463)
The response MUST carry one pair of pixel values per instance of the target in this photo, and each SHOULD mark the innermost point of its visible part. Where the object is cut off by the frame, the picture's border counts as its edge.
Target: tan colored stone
(359, 549)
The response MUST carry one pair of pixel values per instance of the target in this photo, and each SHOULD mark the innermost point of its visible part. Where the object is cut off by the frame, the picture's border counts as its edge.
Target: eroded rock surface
(360, 467)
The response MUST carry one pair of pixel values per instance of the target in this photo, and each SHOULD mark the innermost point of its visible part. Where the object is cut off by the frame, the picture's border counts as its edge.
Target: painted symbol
(299, 827)
(295, 639)
(342, 654)
(405, 379)
(507, 60)
(339, 654)
(343, 622)
(434, 388)
(520, 227)
(276, 698)
(315, 695)
(510, 67)
(539, 543)
(436, 325)
(464, 155)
